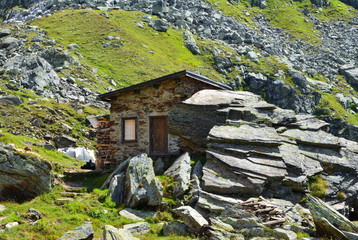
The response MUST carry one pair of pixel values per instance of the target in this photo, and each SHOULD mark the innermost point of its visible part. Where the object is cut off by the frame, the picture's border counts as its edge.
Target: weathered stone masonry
(154, 100)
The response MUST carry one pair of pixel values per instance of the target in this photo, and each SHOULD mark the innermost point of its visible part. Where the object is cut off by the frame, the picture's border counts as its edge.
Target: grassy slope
(288, 15)
(146, 53)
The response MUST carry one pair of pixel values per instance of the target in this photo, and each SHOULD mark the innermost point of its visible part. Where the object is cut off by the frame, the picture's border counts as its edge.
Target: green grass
(60, 218)
(132, 61)
(51, 116)
(329, 106)
(317, 186)
(288, 15)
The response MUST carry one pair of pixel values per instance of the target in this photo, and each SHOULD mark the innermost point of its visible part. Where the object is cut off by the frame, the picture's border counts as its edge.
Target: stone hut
(139, 114)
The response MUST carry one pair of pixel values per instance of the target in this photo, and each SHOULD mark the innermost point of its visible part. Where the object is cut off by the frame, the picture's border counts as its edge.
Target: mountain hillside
(298, 55)
(56, 56)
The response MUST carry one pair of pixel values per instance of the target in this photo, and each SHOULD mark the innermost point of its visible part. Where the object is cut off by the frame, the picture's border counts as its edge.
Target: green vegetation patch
(317, 186)
(140, 54)
(329, 106)
(288, 15)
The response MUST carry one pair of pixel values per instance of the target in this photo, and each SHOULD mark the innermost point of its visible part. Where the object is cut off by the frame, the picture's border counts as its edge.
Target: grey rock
(259, 3)
(116, 188)
(320, 3)
(104, 14)
(34, 71)
(22, 179)
(160, 7)
(290, 235)
(220, 180)
(140, 228)
(112, 233)
(180, 171)
(11, 100)
(4, 32)
(8, 41)
(160, 25)
(141, 185)
(313, 138)
(37, 39)
(299, 79)
(352, 76)
(328, 221)
(11, 225)
(215, 203)
(73, 46)
(191, 218)
(33, 215)
(256, 80)
(64, 141)
(159, 166)
(175, 228)
(136, 215)
(197, 170)
(245, 134)
(252, 56)
(112, 38)
(191, 43)
(2, 208)
(83, 232)
(216, 233)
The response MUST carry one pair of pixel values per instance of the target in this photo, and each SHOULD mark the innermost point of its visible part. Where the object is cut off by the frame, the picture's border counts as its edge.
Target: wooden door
(158, 135)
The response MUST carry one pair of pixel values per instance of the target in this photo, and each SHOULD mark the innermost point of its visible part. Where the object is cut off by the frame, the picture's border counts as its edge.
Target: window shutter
(129, 130)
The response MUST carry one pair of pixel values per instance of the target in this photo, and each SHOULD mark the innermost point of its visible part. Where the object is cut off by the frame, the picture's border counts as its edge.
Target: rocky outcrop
(36, 65)
(36, 73)
(22, 178)
(256, 148)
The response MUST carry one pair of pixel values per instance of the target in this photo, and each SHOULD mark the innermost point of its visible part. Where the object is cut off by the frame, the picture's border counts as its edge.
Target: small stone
(73, 46)
(11, 225)
(2, 208)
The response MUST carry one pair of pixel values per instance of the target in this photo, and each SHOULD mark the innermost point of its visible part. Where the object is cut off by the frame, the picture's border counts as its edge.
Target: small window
(129, 129)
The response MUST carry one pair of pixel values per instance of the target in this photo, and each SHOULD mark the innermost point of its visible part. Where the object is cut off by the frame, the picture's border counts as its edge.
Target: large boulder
(34, 71)
(254, 148)
(180, 171)
(22, 178)
(142, 188)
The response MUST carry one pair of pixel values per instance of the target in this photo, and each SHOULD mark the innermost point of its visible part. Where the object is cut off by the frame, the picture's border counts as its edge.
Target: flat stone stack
(258, 149)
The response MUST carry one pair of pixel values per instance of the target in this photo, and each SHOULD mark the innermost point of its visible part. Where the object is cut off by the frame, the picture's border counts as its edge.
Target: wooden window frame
(136, 129)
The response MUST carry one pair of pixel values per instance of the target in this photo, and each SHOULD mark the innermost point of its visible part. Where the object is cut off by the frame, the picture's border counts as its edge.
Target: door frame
(151, 132)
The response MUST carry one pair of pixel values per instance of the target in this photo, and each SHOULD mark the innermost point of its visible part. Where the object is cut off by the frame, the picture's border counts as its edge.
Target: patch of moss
(317, 186)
